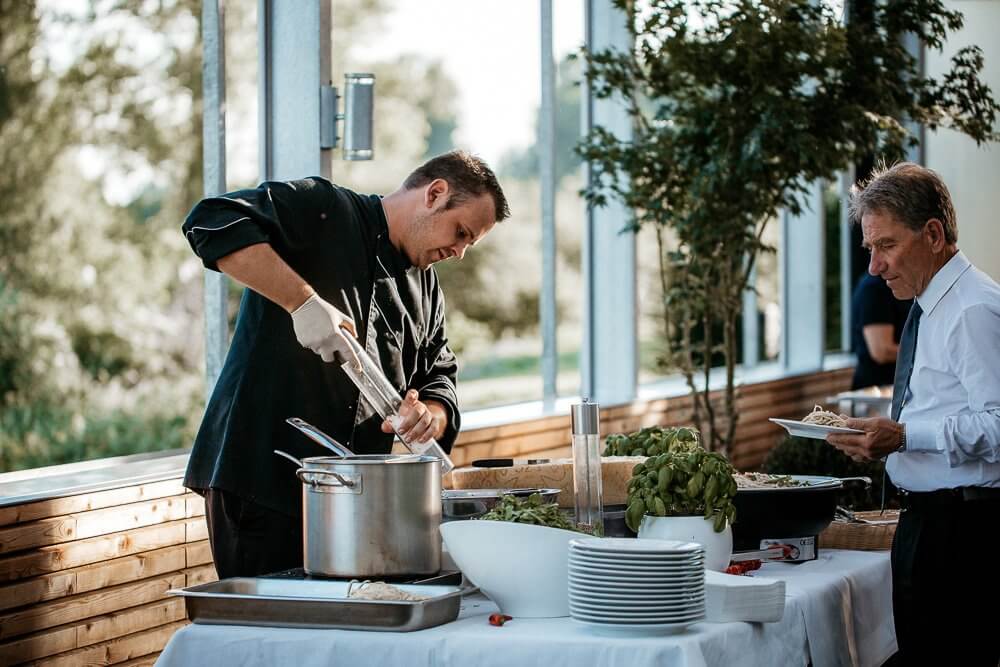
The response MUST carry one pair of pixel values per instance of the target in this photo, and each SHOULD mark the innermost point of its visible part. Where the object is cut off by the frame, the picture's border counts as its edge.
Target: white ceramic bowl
(521, 567)
(718, 546)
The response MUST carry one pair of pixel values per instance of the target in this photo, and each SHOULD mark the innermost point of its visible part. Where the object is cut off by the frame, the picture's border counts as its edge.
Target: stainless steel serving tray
(311, 603)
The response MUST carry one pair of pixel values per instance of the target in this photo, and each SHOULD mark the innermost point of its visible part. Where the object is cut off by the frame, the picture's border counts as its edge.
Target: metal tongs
(384, 399)
(773, 552)
(849, 517)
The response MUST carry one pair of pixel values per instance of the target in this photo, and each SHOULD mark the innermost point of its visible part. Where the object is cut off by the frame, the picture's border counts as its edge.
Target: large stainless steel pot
(371, 516)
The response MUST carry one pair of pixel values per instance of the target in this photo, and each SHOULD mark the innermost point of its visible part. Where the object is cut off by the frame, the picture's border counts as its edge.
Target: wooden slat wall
(549, 437)
(83, 578)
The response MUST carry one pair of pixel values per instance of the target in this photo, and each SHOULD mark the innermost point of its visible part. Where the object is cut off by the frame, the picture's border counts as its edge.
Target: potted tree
(736, 106)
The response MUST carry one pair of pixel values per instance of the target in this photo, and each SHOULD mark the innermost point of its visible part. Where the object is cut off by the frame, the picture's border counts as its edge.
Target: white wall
(972, 174)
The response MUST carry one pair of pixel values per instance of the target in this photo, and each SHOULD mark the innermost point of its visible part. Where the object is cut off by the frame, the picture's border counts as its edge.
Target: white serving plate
(657, 576)
(671, 585)
(635, 628)
(591, 570)
(646, 562)
(690, 618)
(601, 597)
(635, 596)
(636, 557)
(647, 586)
(607, 567)
(596, 557)
(667, 597)
(626, 545)
(610, 617)
(815, 431)
(632, 607)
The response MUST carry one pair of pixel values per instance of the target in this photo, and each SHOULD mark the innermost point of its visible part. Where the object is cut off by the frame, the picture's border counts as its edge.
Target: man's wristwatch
(902, 438)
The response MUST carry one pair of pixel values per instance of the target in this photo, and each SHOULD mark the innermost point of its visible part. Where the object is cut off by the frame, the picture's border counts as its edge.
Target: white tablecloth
(838, 611)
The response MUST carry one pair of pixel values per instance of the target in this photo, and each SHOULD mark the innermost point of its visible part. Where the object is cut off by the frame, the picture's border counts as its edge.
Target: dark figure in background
(322, 262)
(877, 319)
(943, 436)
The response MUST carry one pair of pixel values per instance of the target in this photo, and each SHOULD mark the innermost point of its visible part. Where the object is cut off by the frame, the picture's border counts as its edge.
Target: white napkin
(730, 597)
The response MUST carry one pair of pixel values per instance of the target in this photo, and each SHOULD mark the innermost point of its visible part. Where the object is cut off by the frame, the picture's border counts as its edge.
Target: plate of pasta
(817, 424)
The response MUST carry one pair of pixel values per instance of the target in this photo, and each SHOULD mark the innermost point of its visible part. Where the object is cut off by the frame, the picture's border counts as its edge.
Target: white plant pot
(718, 546)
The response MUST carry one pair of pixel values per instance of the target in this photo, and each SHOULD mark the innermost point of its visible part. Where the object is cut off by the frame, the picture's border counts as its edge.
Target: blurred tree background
(470, 286)
(95, 350)
(101, 344)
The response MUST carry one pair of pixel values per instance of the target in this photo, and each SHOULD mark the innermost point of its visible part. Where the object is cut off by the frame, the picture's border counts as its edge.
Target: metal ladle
(289, 457)
(319, 436)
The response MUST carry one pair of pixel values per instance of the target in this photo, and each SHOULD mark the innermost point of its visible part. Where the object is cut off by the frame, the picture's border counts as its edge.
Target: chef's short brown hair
(467, 175)
(910, 193)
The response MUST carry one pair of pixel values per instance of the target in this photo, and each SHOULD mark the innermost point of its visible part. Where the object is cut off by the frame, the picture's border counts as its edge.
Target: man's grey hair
(908, 192)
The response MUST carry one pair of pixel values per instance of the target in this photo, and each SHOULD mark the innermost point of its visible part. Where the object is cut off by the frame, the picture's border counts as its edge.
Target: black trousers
(249, 540)
(945, 581)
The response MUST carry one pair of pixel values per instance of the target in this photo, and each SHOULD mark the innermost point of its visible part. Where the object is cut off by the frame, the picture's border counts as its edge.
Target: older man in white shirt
(943, 438)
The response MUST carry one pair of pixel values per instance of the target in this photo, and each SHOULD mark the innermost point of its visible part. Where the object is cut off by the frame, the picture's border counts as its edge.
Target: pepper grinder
(586, 427)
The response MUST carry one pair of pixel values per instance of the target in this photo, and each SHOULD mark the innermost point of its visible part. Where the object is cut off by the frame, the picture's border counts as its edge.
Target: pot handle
(350, 483)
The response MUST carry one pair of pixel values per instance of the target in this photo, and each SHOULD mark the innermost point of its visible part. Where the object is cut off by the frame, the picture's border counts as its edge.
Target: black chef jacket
(338, 241)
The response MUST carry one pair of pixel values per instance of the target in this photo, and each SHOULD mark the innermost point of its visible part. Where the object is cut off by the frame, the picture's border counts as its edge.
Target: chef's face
(438, 233)
(905, 258)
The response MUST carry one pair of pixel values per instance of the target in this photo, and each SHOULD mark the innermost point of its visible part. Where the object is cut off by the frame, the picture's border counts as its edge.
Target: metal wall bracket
(329, 99)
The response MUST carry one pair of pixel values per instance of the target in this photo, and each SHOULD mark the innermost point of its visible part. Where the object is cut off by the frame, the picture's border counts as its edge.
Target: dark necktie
(904, 359)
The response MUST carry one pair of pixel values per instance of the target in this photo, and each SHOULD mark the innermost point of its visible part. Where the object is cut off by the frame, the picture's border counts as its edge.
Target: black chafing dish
(786, 512)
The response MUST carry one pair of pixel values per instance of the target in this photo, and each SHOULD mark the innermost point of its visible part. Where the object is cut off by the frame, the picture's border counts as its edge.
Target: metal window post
(547, 178)
(846, 279)
(609, 359)
(751, 329)
(294, 39)
(803, 312)
(214, 179)
(915, 48)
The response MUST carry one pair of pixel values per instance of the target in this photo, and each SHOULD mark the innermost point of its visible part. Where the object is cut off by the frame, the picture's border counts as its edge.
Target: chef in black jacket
(319, 259)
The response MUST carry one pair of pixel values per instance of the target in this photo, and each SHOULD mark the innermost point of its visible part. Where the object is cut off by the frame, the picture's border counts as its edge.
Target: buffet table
(838, 611)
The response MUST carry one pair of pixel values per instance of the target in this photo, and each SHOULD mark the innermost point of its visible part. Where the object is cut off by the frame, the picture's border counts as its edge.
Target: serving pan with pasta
(784, 506)
(322, 603)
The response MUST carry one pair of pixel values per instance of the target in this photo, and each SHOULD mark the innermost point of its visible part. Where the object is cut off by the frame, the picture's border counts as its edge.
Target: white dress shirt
(952, 406)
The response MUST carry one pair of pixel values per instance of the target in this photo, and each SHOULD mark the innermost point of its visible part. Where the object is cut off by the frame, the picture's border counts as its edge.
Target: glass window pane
(101, 115)
(430, 99)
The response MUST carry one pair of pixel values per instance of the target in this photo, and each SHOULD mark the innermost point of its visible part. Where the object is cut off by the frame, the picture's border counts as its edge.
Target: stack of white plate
(636, 585)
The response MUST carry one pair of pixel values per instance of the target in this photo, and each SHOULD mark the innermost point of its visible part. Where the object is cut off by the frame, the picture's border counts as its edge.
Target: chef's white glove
(318, 327)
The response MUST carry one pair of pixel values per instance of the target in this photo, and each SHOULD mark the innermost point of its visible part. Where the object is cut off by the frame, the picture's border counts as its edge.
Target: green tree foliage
(737, 106)
(91, 361)
(100, 296)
